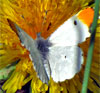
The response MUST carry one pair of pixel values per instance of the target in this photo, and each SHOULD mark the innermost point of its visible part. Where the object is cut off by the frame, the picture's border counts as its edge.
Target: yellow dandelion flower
(31, 16)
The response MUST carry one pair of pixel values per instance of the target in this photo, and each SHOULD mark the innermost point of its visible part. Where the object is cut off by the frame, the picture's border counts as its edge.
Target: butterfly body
(43, 46)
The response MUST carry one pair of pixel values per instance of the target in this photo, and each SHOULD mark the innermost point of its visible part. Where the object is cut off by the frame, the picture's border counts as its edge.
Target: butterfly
(58, 56)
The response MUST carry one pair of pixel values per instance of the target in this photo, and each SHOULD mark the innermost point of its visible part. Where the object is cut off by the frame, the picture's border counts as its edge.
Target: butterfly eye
(75, 22)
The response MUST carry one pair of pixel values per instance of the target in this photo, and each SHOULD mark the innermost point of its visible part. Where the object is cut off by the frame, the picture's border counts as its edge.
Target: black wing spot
(75, 22)
(65, 57)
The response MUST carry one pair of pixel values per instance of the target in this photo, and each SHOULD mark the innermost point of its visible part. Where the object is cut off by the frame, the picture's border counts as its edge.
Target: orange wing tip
(86, 16)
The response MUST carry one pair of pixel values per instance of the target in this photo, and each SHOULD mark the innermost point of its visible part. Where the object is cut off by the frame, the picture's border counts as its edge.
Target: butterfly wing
(65, 62)
(65, 57)
(35, 55)
(72, 32)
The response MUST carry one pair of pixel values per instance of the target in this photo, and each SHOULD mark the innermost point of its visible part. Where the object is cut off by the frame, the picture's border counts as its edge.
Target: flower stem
(91, 47)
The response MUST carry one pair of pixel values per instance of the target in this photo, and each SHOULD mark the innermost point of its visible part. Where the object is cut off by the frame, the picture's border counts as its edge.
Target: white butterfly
(59, 55)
